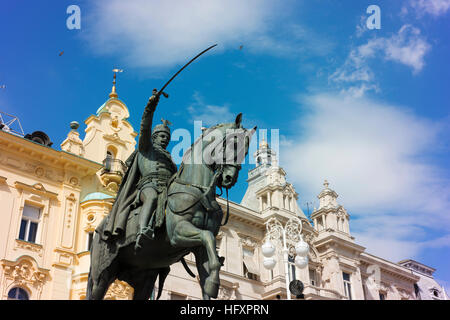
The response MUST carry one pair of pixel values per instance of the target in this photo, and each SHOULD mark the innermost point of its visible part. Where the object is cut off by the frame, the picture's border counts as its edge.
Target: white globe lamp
(268, 249)
(301, 262)
(269, 263)
(301, 248)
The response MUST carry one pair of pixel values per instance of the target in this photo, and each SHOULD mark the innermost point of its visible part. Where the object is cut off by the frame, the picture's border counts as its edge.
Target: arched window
(111, 152)
(110, 156)
(17, 293)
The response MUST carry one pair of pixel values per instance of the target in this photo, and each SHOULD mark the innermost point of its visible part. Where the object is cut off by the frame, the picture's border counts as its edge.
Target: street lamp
(293, 244)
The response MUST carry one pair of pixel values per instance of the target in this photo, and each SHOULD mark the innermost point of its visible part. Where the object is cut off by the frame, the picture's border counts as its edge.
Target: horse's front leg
(185, 234)
(201, 260)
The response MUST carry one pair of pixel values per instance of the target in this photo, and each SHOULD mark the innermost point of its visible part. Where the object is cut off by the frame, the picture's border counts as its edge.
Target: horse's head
(230, 151)
(222, 149)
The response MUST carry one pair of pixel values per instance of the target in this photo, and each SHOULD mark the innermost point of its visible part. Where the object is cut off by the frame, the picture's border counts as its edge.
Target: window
(29, 223)
(17, 294)
(320, 225)
(111, 152)
(382, 296)
(417, 290)
(250, 268)
(264, 202)
(312, 277)
(109, 159)
(347, 285)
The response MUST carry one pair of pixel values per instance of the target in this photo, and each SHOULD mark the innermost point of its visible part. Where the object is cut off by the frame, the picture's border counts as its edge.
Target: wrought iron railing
(114, 166)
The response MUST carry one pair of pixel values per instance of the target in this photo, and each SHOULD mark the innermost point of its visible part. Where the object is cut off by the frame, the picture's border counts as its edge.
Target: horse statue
(192, 221)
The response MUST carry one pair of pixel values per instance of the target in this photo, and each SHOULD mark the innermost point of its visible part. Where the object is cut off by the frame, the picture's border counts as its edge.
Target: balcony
(112, 173)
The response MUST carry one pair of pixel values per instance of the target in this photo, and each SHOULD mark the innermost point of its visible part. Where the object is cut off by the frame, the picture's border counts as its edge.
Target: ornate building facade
(53, 200)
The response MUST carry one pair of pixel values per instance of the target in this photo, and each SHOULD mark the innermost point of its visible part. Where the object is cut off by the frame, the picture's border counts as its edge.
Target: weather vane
(113, 93)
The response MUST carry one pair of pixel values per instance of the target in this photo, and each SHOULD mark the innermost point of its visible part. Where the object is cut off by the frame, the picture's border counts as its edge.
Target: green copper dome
(97, 196)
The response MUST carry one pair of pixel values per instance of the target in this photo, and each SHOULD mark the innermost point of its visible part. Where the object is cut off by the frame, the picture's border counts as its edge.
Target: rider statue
(145, 182)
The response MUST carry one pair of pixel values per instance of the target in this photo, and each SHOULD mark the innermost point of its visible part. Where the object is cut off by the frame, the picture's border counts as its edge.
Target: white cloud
(209, 114)
(433, 7)
(407, 47)
(387, 248)
(160, 33)
(372, 155)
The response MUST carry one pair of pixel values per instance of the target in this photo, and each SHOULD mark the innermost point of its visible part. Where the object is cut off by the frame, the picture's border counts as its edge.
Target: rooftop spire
(113, 93)
(263, 144)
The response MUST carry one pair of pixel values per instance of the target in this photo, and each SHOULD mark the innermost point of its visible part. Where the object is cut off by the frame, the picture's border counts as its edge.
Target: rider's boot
(144, 233)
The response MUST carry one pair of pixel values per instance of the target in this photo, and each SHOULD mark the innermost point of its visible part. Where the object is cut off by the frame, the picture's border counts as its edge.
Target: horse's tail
(162, 274)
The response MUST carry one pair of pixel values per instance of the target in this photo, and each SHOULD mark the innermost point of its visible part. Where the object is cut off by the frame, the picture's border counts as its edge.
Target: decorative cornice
(37, 188)
(33, 247)
(114, 138)
(119, 290)
(389, 267)
(247, 241)
(337, 241)
(54, 158)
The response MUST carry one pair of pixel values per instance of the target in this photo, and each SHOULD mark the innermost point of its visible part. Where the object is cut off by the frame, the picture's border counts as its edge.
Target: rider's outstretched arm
(145, 136)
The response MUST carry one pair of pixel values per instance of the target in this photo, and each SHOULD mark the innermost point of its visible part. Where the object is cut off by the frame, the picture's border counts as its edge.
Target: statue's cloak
(113, 227)
(113, 231)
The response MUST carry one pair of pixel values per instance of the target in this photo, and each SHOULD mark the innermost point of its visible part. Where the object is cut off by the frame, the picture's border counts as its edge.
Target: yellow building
(53, 200)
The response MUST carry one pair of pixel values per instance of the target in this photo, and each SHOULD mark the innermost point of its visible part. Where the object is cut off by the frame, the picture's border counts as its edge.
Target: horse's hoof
(211, 288)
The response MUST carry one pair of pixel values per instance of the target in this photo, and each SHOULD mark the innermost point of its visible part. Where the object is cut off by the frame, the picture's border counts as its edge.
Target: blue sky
(366, 109)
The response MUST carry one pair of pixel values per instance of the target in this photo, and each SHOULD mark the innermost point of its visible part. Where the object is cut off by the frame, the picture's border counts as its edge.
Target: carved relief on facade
(69, 221)
(25, 245)
(24, 273)
(73, 181)
(119, 290)
(330, 270)
(114, 138)
(89, 221)
(115, 123)
(226, 294)
(248, 242)
(228, 290)
(39, 172)
(404, 294)
(342, 213)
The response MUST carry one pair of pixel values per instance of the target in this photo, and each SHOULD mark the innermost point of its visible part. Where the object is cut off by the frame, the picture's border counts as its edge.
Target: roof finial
(263, 144)
(326, 184)
(113, 93)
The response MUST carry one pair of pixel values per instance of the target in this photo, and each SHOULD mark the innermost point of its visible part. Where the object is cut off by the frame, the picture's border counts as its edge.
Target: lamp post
(292, 244)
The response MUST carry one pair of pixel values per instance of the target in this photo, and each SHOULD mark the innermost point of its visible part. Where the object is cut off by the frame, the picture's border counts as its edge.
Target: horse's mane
(200, 138)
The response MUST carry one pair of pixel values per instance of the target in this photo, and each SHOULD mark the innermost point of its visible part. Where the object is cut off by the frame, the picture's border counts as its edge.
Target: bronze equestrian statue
(185, 216)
